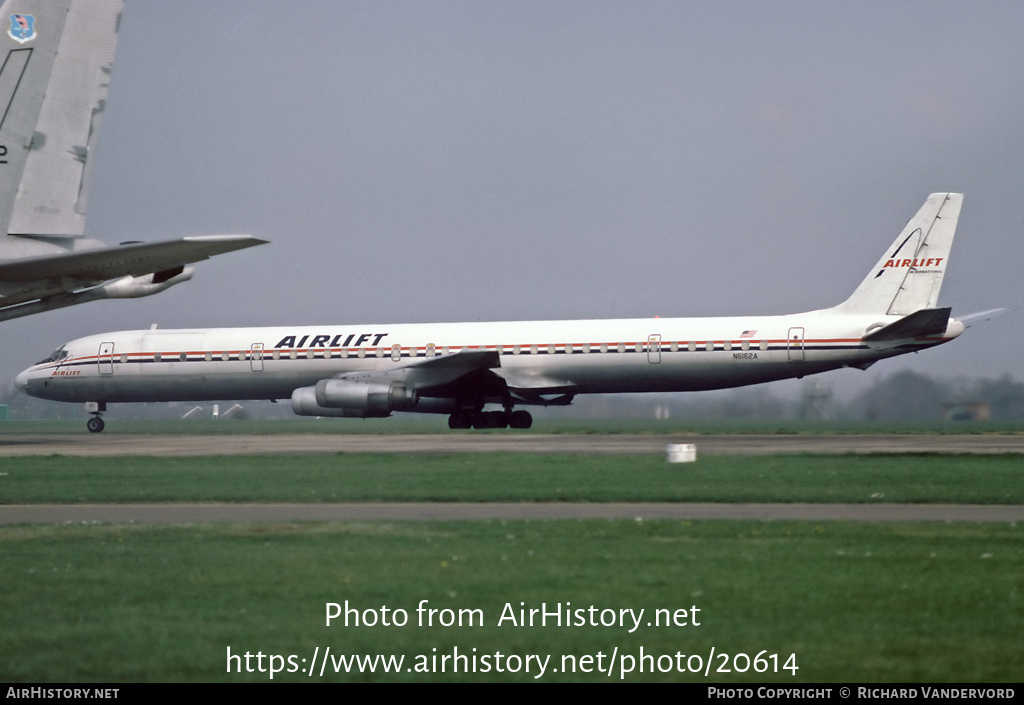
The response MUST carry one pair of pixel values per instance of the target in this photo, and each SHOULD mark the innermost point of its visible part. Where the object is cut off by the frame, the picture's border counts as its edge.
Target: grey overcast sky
(460, 161)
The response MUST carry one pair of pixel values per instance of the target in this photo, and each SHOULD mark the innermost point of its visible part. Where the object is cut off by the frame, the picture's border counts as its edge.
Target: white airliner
(55, 62)
(460, 368)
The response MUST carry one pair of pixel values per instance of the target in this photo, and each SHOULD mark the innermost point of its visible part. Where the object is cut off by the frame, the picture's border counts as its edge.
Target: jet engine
(342, 397)
(127, 287)
(130, 287)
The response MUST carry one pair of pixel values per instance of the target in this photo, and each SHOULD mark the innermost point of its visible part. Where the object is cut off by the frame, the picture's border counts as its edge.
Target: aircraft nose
(21, 381)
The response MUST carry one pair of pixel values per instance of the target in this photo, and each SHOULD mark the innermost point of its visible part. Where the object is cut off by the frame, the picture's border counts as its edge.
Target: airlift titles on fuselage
(327, 341)
(373, 370)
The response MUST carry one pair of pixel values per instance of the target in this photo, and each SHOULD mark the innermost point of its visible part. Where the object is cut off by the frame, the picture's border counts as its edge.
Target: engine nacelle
(342, 397)
(365, 396)
(127, 287)
(130, 287)
(304, 404)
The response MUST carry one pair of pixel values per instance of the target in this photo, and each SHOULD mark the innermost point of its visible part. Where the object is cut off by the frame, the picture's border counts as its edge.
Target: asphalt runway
(85, 444)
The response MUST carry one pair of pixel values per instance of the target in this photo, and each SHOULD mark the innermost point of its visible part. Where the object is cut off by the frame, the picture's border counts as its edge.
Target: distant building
(967, 411)
(816, 401)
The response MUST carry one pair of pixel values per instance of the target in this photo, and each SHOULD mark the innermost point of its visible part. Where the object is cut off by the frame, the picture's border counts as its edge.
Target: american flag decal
(748, 334)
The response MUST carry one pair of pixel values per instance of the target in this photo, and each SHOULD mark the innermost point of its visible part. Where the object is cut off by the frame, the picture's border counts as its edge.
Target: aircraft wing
(537, 389)
(433, 372)
(470, 373)
(471, 376)
(134, 259)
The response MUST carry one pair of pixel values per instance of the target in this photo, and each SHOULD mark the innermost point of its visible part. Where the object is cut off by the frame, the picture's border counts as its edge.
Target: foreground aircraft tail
(56, 58)
(54, 77)
(908, 277)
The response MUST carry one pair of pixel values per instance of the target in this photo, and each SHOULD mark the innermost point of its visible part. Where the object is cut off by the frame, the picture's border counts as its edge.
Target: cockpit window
(56, 356)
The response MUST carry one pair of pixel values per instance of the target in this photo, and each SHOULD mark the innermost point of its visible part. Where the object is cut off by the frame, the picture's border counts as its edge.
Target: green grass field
(849, 601)
(520, 477)
(854, 602)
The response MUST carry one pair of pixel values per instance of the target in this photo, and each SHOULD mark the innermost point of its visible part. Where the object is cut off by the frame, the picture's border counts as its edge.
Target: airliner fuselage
(459, 368)
(554, 358)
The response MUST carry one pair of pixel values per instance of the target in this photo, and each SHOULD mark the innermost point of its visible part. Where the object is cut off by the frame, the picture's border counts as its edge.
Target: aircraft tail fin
(909, 275)
(54, 72)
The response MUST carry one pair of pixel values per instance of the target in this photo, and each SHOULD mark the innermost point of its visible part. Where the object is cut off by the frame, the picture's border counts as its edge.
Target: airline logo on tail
(23, 28)
(916, 263)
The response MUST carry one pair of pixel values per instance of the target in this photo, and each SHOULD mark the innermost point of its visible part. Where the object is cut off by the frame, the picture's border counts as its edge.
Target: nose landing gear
(95, 423)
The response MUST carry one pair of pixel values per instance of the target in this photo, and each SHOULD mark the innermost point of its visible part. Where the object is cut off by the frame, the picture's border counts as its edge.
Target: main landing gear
(95, 423)
(491, 419)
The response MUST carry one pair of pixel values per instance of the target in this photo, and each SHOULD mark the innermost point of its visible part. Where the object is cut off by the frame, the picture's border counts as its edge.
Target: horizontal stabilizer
(920, 324)
(133, 259)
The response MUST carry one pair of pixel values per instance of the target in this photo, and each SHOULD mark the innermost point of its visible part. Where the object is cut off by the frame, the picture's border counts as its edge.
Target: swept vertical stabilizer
(909, 275)
(55, 63)
(54, 78)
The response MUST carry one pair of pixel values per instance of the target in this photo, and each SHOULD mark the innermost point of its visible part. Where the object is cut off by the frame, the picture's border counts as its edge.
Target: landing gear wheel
(520, 419)
(460, 421)
(490, 419)
(95, 424)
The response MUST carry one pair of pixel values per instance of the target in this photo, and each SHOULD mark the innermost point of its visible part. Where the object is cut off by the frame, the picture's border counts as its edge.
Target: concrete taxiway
(113, 444)
(108, 444)
(444, 511)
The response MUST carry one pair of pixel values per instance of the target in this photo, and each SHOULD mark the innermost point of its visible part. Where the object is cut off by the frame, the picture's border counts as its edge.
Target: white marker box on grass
(681, 452)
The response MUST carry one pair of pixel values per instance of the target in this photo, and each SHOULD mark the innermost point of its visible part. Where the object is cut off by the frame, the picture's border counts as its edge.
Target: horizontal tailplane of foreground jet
(460, 368)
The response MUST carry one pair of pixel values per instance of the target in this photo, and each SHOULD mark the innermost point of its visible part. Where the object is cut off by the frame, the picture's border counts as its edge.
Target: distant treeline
(902, 396)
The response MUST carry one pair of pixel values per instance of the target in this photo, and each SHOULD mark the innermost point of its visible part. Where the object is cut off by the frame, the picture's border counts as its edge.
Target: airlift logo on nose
(65, 373)
(914, 262)
(326, 341)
